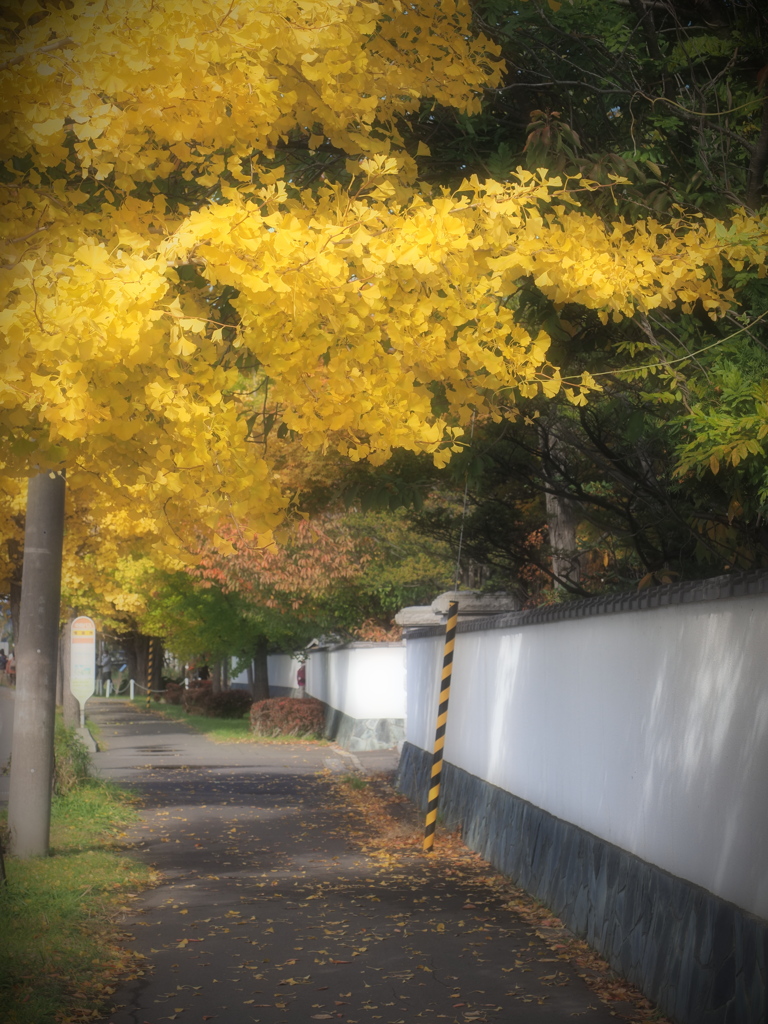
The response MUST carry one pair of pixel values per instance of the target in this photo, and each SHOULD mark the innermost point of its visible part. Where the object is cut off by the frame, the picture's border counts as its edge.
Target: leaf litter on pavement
(394, 824)
(310, 899)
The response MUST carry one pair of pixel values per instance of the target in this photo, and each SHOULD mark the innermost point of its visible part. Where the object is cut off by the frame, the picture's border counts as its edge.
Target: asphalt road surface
(278, 906)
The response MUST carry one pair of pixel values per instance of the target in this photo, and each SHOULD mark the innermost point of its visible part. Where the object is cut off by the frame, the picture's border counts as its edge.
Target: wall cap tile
(719, 588)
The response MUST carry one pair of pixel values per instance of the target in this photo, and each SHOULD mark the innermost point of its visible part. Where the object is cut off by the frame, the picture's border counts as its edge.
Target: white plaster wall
(281, 670)
(648, 729)
(366, 681)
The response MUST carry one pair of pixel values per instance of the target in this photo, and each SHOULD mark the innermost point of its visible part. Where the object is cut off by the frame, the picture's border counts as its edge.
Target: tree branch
(758, 163)
(645, 20)
(57, 44)
(547, 85)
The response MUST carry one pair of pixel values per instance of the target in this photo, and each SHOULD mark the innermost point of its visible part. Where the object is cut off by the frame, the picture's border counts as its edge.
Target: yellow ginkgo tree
(162, 267)
(140, 141)
(118, 121)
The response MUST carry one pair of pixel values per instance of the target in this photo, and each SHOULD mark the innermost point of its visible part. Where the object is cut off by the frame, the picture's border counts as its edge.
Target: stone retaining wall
(363, 733)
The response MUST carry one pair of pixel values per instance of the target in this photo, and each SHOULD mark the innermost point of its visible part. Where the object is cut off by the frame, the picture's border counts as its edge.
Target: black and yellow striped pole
(442, 718)
(150, 657)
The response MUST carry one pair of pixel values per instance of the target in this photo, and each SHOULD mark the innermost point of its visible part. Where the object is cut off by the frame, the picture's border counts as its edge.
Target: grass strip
(59, 953)
(226, 730)
(222, 730)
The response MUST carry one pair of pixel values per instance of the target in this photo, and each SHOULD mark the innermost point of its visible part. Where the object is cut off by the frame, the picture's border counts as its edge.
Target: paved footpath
(275, 906)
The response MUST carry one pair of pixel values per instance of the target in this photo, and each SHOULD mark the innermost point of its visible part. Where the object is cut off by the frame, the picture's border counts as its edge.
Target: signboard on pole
(82, 661)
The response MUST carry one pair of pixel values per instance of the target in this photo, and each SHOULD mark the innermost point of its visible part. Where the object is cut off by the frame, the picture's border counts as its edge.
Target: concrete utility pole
(29, 799)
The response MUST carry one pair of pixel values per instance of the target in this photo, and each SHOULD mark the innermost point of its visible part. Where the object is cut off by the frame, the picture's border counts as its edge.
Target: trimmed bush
(288, 716)
(195, 697)
(174, 693)
(200, 699)
(227, 704)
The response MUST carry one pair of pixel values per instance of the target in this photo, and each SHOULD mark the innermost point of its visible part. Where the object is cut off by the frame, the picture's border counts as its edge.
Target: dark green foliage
(71, 760)
(616, 462)
(666, 95)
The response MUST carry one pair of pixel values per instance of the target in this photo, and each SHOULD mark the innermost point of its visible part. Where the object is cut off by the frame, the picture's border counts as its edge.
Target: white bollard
(109, 687)
(131, 687)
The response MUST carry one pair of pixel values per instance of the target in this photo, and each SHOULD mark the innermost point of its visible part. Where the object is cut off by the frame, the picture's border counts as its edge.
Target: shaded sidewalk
(277, 905)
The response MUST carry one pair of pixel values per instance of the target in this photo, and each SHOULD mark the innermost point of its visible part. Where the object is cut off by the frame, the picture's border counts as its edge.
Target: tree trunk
(758, 164)
(562, 513)
(158, 654)
(128, 642)
(216, 677)
(562, 520)
(260, 688)
(137, 658)
(29, 803)
(142, 659)
(141, 647)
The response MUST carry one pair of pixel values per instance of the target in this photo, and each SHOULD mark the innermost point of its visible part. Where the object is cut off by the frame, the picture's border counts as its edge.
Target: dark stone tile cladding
(700, 959)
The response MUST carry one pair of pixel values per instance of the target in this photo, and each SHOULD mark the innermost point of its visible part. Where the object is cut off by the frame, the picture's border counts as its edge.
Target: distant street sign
(82, 661)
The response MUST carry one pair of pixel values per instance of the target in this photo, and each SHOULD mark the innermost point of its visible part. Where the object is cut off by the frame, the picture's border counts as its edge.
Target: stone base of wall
(700, 959)
(274, 691)
(285, 691)
(363, 733)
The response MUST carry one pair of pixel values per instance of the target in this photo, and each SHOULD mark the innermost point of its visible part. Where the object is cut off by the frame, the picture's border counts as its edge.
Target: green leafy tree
(338, 572)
